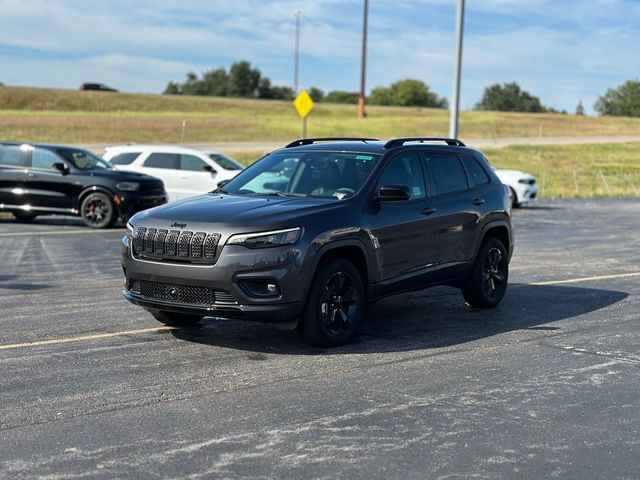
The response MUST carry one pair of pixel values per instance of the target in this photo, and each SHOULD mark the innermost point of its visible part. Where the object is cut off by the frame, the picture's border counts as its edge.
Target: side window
(404, 169)
(44, 159)
(124, 158)
(191, 163)
(446, 173)
(162, 160)
(13, 156)
(475, 172)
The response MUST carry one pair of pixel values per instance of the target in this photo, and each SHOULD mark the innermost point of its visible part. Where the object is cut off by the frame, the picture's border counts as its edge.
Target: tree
(173, 88)
(340, 96)
(509, 97)
(620, 101)
(243, 80)
(316, 94)
(216, 82)
(580, 109)
(407, 93)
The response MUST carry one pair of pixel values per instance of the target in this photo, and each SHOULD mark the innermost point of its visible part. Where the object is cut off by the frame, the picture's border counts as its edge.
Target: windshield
(315, 174)
(225, 162)
(83, 159)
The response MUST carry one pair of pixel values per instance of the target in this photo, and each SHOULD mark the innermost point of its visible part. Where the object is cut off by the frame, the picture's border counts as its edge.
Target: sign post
(303, 104)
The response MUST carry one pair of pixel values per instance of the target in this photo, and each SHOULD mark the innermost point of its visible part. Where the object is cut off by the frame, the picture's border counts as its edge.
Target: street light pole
(457, 66)
(363, 61)
(296, 54)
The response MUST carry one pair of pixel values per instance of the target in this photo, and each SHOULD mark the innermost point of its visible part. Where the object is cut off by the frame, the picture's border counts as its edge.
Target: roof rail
(398, 142)
(309, 141)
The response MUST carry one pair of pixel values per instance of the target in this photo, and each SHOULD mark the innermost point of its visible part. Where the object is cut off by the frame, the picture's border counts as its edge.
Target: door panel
(48, 188)
(403, 232)
(163, 166)
(457, 216)
(192, 178)
(13, 176)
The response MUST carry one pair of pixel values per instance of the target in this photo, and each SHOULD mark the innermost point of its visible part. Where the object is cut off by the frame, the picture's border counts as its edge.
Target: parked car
(38, 179)
(522, 186)
(352, 221)
(185, 172)
(101, 87)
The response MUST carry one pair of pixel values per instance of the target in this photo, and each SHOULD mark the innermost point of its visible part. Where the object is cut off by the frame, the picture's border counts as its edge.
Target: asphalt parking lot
(546, 385)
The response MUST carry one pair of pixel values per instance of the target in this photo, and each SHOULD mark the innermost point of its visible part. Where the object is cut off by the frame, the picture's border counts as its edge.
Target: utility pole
(296, 54)
(363, 61)
(457, 66)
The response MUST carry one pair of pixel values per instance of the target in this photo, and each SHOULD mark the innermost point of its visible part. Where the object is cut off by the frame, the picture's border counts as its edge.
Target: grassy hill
(72, 116)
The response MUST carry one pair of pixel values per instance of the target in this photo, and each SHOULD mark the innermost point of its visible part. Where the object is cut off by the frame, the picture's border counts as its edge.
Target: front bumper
(201, 284)
(132, 203)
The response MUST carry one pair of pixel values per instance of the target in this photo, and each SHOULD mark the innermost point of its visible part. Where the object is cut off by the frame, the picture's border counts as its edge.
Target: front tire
(98, 211)
(514, 198)
(334, 306)
(487, 282)
(175, 319)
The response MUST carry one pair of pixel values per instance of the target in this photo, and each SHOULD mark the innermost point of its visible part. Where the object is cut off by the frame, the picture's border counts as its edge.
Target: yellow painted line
(82, 338)
(587, 279)
(58, 232)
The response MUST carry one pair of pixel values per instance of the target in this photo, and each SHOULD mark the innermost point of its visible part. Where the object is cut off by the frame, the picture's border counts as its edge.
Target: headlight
(275, 238)
(526, 180)
(129, 229)
(128, 186)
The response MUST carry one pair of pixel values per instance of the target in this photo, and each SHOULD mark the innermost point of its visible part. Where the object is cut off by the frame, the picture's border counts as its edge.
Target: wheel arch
(351, 250)
(500, 230)
(93, 189)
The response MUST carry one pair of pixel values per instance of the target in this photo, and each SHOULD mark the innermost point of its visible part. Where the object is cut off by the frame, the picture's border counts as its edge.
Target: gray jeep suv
(309, 234)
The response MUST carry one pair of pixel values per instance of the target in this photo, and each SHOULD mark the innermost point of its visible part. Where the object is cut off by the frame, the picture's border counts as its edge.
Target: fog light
(260, 288)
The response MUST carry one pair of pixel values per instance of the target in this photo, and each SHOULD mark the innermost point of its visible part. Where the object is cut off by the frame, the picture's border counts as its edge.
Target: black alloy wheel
(98, 211)
(488, 280)
(335, 304)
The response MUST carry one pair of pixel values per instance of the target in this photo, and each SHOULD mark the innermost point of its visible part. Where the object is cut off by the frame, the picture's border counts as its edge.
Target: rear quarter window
(124, 158)
(13, 156)
(475, 173)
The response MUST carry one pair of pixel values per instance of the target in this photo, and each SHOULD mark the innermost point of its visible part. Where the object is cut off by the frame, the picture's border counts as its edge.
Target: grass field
(69, 116)
(562, 171)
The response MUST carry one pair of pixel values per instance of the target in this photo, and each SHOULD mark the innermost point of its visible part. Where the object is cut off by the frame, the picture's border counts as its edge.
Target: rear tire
(24, 216)
(175, 319)
(488, 280)
(98, 211)
(335, 304)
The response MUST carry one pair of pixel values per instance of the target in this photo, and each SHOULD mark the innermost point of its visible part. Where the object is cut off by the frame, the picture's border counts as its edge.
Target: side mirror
(60, 167)
(393, 193)
(210, 169)
(222, 183)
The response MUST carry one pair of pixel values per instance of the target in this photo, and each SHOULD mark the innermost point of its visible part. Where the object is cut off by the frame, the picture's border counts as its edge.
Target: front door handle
(478, 201)
(428, 211)
(32, 175)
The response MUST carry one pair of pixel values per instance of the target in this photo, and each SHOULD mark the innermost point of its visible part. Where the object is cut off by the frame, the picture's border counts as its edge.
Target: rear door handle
(428, 211)
(478, 201)
(32, 175)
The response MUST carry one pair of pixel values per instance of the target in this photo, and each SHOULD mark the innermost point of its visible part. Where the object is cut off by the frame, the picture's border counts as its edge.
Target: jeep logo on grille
(173, 292)
(178, 225)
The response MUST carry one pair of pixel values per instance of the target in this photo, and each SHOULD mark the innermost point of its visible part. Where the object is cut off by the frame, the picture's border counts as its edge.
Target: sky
(562, 51)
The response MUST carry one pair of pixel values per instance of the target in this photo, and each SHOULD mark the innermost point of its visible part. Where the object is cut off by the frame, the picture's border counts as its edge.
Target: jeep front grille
(185, 294)
(175, 245)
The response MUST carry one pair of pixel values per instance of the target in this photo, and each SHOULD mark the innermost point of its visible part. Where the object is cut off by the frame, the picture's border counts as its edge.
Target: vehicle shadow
(7, 284)
(422, 320)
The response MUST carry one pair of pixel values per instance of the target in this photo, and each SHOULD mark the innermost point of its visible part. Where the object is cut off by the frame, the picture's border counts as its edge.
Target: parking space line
(81, 338)
(587, 279)
(58, 232)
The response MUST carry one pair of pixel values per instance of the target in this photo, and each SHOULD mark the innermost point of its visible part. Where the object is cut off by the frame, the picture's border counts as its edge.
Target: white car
(522, 186)
(185, 172)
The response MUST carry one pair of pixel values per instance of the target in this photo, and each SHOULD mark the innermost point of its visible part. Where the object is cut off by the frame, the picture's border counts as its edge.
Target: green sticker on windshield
(364, 157)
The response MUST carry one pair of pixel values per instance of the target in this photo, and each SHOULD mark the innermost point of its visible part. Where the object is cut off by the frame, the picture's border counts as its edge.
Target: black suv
(37, 179)
(310, 233)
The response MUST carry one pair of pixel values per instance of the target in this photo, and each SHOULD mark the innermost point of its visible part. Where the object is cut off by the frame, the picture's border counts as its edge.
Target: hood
(121, 175)
(225, 213)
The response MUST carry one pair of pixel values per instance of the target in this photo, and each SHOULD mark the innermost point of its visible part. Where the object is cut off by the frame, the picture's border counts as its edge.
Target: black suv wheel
(487, 283)
(98, 211)
(175, 319)
(334, 306)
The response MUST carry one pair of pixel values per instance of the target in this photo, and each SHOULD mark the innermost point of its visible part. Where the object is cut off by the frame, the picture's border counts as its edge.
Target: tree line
(243, 80)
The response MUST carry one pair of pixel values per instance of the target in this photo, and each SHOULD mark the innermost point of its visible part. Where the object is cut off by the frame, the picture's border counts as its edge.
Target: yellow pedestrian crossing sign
(303, 104)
